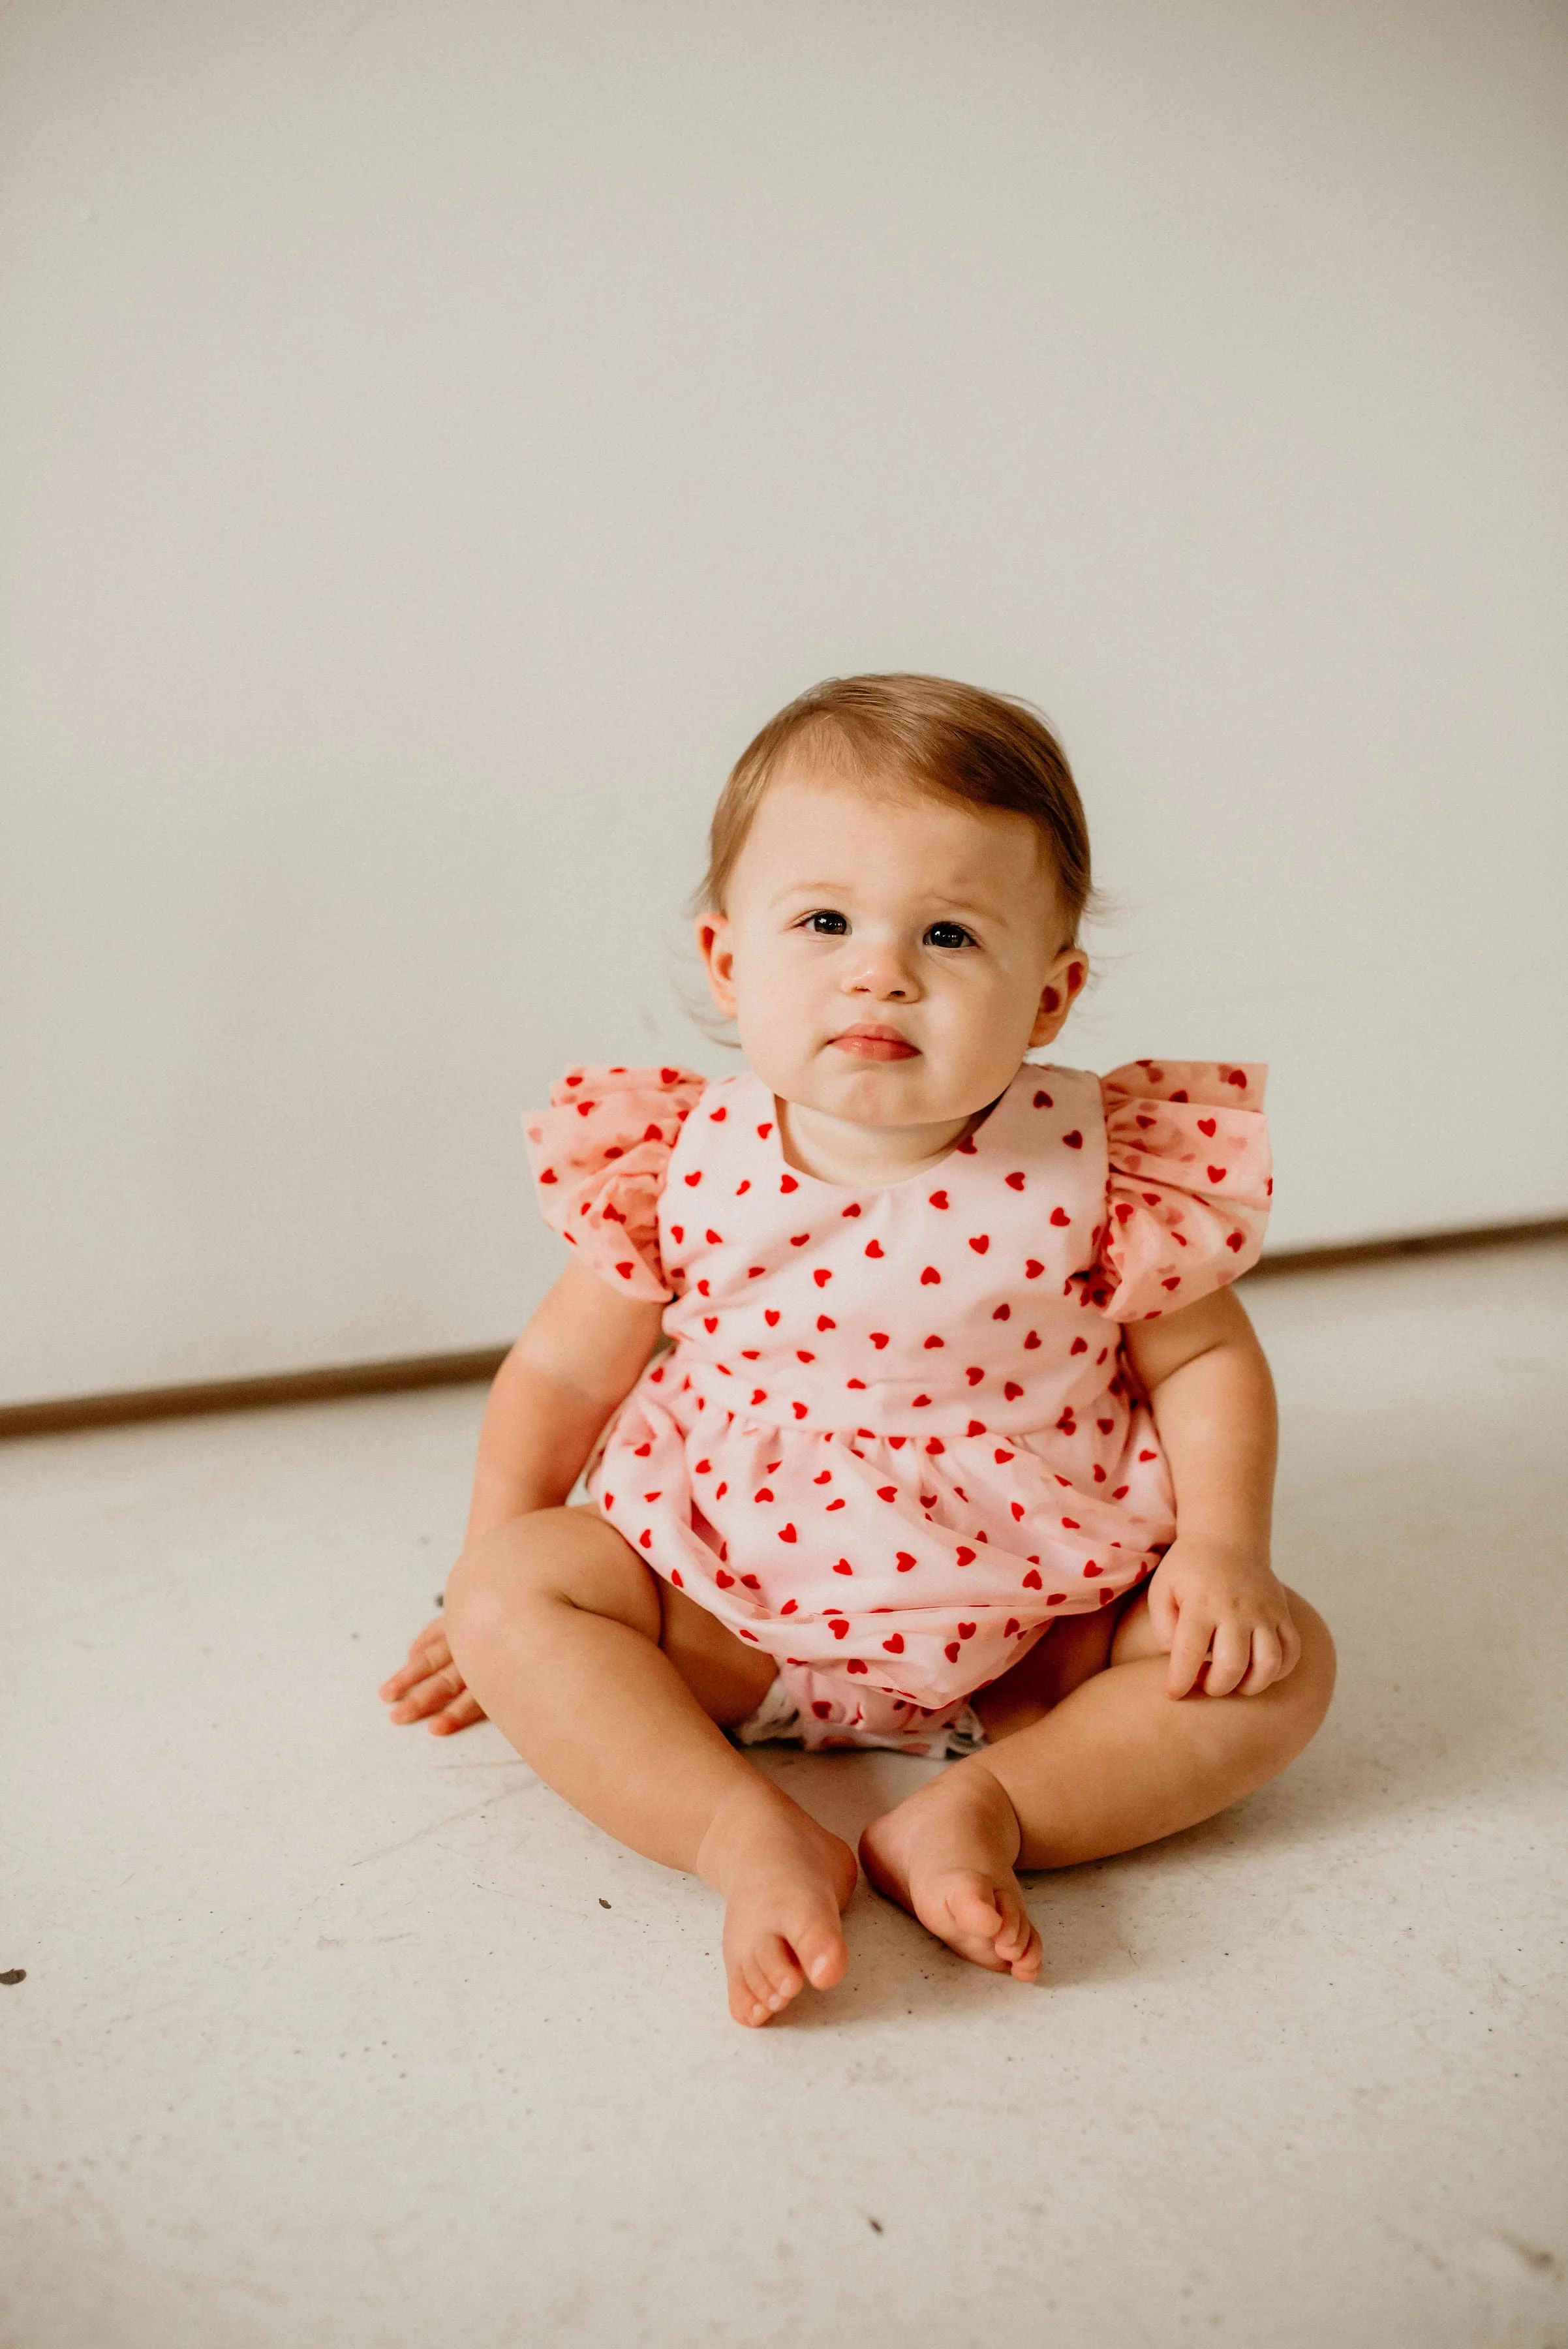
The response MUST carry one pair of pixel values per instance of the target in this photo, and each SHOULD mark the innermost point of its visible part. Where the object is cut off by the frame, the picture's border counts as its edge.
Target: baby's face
(887, 957)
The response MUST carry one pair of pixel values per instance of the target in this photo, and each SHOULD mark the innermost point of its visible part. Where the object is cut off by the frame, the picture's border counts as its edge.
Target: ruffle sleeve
(599, 1154)
(1187, 1199)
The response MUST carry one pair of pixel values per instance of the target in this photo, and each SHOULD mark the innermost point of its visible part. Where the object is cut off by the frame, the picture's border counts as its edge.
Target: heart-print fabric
(897, 1435)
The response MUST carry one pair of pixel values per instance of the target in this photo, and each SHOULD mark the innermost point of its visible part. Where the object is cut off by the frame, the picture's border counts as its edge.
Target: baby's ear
(1063, 983)
(716, 947)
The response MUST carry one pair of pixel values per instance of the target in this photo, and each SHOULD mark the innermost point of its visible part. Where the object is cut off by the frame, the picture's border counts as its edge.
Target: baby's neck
(864, 1157)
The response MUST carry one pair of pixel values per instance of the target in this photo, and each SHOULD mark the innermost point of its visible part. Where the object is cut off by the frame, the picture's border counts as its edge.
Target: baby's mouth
(875, 1044)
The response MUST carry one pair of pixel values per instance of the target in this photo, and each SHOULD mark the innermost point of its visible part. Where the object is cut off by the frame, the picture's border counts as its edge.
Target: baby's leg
(555, 1625)
(1100, 1762)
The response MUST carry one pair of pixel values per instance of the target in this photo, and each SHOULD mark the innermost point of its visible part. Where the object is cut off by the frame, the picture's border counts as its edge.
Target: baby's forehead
(812, 809)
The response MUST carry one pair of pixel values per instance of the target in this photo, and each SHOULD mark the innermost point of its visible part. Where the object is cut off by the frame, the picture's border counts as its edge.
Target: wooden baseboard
(337, 1380)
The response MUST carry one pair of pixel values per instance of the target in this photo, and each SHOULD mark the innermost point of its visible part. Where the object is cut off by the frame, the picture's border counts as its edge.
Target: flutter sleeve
(1187, 1194)
(599, 1154)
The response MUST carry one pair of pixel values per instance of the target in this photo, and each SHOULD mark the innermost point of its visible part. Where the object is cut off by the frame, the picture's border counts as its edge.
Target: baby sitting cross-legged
(959, 1445)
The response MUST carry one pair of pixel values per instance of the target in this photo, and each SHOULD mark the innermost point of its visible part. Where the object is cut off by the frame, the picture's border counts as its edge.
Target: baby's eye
(947, 933)
(827, 925)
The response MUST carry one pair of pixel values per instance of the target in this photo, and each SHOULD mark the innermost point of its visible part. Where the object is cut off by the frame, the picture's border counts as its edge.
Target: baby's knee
(1310, 1686)
(551, 1556)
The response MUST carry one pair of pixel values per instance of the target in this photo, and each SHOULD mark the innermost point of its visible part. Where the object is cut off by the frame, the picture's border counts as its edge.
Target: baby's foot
(947, 1855)
(784, 1880)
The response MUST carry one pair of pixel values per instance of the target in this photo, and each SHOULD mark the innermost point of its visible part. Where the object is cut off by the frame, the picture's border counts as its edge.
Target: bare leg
(557, 1626)
(1090, 1757)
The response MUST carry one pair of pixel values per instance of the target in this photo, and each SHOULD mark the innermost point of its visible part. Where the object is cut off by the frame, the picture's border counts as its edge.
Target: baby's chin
(865, 1092)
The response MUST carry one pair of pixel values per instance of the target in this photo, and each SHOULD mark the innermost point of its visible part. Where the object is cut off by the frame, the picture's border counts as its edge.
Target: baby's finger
(1266, 1667)
(1187, 1651)
(1232, 1655)
(429, 1696)
(1290, 1647)
(461, 1713)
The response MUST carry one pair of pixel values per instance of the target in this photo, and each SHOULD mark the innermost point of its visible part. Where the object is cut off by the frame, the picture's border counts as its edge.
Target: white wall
(435, 436)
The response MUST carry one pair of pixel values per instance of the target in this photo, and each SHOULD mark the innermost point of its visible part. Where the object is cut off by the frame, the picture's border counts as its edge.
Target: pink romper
(897, 1432)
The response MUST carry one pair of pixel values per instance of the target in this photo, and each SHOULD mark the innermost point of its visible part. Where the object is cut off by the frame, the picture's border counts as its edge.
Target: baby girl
(914, 1407)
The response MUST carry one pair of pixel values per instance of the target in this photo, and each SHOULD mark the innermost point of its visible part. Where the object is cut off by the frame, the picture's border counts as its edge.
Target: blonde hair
(953, 741)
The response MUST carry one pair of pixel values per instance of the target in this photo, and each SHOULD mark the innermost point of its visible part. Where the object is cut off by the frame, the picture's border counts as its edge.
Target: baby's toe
(821, 1949)
(971, 1903)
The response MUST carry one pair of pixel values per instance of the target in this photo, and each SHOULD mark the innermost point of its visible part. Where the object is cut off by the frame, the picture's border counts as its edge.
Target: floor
(335, 2035)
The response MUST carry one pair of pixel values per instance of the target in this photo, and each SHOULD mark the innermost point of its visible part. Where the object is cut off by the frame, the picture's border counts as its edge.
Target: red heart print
(789, 1607)
(717, 1116)
(1171, 1284)
(874, 1247)
(894, 1646)
(704, 1468)
(1206, 1125)
(963, 1555)
(934, 1341)
(1001, 1458)
(801, 1355)
(769, 1315)
(917, 1402)
(980, 1244)
(821, 1276)
(1079, 1346)
(625, 1271)
(1010, 1626)
(878, 1338)
(842, 1566)
(852, 1209)
(966, 1631)
(787, 1533)
(765, 1130)
(1072, 1525)
(1149, 1455)
(1061, 1219)
(974, 1374)
(742, 1188)
(951, 1651)
(677, 1233)
(1017, 1508)
(1033, 1269)
(1057, 1599)
(1236, 1242)
(788, 1182)
(1217, 1173)
(826, 1477)
(929, 1275)
(694, 1178)
(823, 1711)
(839, 1628)
(1032, 1579)
(1014, 1182)
(1237, 1077)
(857, 1664)
(1105, 1425)
(751, 1582)
(723, 1579)
(549, 1175)
(1120, 1492)
(759, 1394)
(939, 1198)
(887, 1492)
(1044, 1101)
(1013, 1389)
(763, 1493)
(1074, 1141)
(576, 1078)
(975, 1427)
(904, 1561)
(1002, 1313)
(1091, 1570)
(1182, 1095)
(825, 1321)
(709, 1322)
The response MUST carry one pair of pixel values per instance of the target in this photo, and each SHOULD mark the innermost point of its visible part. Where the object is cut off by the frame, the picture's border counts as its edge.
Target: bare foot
(784, 1881)
(947, 1855)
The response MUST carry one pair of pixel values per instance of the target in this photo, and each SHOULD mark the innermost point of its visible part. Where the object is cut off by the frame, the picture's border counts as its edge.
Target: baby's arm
(580, 1355)
(1213, 1403)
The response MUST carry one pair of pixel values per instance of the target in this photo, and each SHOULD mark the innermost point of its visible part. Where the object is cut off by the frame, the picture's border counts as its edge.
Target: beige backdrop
(435, 436)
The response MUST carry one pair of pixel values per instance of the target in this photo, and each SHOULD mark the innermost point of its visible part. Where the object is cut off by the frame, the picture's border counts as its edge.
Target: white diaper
(780, 1719)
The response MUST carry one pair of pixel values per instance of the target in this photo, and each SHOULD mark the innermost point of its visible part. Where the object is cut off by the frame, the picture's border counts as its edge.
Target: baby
(959, 1445)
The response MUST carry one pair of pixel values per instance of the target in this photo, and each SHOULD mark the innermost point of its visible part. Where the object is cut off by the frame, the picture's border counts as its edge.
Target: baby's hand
(430, 1688)
(1225, 1619)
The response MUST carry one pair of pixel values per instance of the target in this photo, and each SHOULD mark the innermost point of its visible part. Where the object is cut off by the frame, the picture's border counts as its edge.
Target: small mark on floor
(603, 1902)
(13, 1974)
(875, 2225)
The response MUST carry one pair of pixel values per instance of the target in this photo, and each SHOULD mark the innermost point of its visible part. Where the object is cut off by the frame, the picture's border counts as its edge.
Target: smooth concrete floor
(333, 2035)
